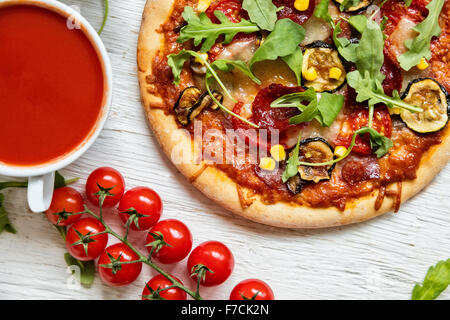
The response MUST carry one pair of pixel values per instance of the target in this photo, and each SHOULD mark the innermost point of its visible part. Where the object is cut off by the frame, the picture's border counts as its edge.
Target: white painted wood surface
(379, 259)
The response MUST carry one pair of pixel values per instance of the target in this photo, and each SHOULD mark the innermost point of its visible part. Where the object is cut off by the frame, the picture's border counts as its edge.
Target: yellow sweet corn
(340, 151)
(301, 5)
(310, 74)
(278, 152)
(204, 55)
(335, 73)
(203, 5)
(267, 163)
(423, 64)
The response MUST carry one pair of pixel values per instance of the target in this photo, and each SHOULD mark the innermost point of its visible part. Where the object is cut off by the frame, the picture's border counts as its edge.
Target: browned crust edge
(217, 186)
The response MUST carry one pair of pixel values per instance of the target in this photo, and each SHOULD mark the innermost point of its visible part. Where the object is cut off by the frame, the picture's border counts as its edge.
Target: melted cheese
(402, 32)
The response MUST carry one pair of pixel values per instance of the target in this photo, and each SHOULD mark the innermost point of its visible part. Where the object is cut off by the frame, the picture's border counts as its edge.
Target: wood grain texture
(379, 259)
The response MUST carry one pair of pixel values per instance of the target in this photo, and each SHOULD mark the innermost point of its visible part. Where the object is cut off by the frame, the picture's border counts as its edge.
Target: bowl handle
(40, 192)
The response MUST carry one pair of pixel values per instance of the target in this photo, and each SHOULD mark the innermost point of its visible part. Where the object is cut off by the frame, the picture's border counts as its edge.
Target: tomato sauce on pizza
(354, 106)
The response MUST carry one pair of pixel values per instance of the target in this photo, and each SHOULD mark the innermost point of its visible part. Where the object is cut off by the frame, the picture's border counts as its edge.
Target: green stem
(329, 163)
(105, 17)
(221, 106)
(144, 259)
(13, 184)
(371, 110)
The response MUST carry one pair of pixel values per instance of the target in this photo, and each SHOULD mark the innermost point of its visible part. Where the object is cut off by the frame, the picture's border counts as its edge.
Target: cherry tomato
(94, 245)
(145, 203)
(161, 282)
(65, 200)
(359, 118)
(216, 257)
(123, 274)
(107, 178)
(252, 289)
(177, 235)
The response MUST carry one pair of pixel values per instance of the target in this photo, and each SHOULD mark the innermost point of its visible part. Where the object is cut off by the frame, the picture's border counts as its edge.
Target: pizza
(300, 113)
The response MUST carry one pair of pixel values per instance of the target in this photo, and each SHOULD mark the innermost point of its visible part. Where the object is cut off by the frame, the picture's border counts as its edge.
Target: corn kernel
(203, 5)
(340, 151)
(335, 73)
(267, 164)
(301, 5)
(310, 74)
(278, 152)
(423, 64)
(394, 110)
(204, 56)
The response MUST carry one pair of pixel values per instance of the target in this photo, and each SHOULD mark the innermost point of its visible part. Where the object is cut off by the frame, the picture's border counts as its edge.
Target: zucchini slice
(432, 97)
(355, 7)
(315, 150)
(322, 57)
(192, 102)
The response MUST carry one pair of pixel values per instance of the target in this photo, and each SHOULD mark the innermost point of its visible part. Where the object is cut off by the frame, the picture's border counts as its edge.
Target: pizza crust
(216, 185)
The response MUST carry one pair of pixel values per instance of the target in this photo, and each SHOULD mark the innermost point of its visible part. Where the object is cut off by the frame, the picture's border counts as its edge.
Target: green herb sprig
(202, 30)
(436, 281)
(177, 61)
(419, 47)
(261, 12)
(380, 146)
(325, 110)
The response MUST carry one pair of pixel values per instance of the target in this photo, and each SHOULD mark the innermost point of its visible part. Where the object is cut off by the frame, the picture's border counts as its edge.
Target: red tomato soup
(51, 86)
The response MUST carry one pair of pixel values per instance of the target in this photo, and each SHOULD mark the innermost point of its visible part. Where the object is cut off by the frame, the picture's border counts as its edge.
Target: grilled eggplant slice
(192, 102)
(354, 7)
(295, 184)
(432, 97)
(315, 150)
(322, 57)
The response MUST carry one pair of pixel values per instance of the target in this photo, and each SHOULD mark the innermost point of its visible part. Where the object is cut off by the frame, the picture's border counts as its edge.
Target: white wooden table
(379, 259)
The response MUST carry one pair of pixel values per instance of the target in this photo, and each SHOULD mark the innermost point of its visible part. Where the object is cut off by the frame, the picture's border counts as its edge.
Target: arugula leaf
(369, 52)
(5, 224)
(176, 63)
(59, 181)
(324, 110)
(201, 29)
(372, 91)
(367, 79)
(435, 282)
(228, 65)
(321, 12)
(295, 62)
(379, 143)
(347, 4)
(346, 49)
(281, 42)
(358, 22)
(261, 12)
(329, 107)
(408, 2)
(419, 47)
(87, 269)
(293, 163)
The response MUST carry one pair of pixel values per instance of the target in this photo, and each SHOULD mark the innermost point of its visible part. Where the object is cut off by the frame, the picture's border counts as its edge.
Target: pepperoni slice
(394, 77)
(395, 10)
(290, 12)
(360, 168)
(231, 8)
(359, 118)
(263, 115)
